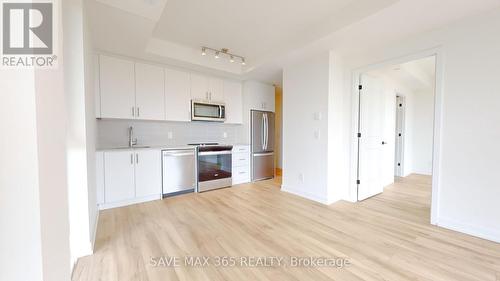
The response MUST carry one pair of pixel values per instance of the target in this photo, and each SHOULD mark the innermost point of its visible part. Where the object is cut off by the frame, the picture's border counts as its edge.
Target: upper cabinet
(204, 88)
(199, 87)
(216, 89)
(149, 92)
(117, 85)
(132, 90)
(258, 96)
(234, 102)
(177, 95)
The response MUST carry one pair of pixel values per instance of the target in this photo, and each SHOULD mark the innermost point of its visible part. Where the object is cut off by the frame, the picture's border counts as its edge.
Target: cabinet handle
(132, 158)
(138, 112)
(133, 111)
(137, 158)
(242, 159)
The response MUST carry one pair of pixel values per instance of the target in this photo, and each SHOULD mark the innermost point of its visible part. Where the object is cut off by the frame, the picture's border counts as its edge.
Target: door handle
(133, 111)
(137, 158)
(131, 158)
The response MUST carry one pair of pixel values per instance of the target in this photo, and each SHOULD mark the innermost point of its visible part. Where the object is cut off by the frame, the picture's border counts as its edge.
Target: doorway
(395, 128)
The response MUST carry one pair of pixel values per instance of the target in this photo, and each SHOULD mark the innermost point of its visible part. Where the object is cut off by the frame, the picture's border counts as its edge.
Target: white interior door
(371, 142)
(399, 139)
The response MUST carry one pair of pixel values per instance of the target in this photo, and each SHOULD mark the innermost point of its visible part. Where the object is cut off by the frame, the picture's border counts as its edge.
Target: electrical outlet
(170, 135)
(301, 177)
(317, 134)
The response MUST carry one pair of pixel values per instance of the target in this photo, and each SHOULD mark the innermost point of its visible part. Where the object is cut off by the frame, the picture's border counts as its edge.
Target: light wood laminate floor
(387, 237)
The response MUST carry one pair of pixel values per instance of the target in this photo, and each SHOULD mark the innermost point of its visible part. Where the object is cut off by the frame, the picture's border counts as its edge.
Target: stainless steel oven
(214, 167)
(207, 111)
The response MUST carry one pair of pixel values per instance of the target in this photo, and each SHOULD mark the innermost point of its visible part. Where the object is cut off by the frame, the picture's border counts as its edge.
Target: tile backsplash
(114, 133)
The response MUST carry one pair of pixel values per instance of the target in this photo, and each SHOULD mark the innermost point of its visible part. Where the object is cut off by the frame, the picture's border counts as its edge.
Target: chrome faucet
(131, 140)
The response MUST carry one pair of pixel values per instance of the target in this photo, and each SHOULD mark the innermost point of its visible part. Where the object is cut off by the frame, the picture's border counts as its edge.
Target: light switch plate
(224, 135)
(318, 116)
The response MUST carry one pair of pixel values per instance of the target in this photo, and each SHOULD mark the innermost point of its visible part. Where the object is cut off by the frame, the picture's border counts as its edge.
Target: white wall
(76, 140)
(468, 59)
(90, 61)
(422, 131)
(306, 91)
(34, 218)
(467, 199)
(20, 237)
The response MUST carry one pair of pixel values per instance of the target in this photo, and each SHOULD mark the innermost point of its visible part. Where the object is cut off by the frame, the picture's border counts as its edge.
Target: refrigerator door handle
(266, 130)
(262, 136)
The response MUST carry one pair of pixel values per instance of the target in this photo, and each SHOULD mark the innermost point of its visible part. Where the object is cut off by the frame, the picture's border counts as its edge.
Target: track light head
(231, 59)
(243, 61)
(216, 55)
(203, 51)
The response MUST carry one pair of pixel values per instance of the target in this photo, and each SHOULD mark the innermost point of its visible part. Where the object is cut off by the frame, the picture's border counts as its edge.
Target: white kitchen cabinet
(259, 96)
(119, 183)
(241, 164)
(129, 176)
(117, 87)
(199, 87)
(216, 89)
(205, 88)
(234, 102)
(147, 172)
(149, 92)
(177, 95)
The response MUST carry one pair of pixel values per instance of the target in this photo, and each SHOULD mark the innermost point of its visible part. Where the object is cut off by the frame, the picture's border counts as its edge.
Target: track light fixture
(222, 52)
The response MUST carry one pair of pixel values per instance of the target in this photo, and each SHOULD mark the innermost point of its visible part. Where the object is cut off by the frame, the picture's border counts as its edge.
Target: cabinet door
(234, 102)
(149, 92)
(118, 176)
(147, 172)
(216, 89)
(267, 97)
(117, 83)
(177, 95)
(199, 87)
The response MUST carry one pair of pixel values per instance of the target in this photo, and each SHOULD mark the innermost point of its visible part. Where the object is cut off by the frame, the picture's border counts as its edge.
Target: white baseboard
(306, 195)
(481, 232)
(105, 206)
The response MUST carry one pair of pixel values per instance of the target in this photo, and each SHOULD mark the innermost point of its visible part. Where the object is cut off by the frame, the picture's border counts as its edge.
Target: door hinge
(358, 182)
(360, 87)
(359, 135)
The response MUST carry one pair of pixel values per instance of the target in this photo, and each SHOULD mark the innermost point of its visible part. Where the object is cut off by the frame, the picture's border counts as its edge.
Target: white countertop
(155, 147)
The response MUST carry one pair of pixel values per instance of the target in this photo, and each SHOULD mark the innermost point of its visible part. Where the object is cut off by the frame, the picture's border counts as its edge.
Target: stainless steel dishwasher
(179, 171)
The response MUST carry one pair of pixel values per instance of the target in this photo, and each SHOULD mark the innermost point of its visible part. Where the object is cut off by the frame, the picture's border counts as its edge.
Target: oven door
(214, 170)
(201, 111)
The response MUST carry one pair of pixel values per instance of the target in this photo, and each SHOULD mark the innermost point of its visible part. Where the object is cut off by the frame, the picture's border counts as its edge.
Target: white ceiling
(175, 30)
(270, 34)
(417, 75)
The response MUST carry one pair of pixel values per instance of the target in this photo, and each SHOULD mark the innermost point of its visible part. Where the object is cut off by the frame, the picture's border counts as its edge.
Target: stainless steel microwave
(207, 111)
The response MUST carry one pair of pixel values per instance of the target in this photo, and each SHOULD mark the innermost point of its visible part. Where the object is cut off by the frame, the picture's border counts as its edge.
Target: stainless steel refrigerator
(262, 123)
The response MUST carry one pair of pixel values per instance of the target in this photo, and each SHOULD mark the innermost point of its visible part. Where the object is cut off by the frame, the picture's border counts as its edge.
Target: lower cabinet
(241, 164)
(130, 176)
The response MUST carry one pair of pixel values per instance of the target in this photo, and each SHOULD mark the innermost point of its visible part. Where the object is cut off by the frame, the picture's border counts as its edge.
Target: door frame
(438, 111)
